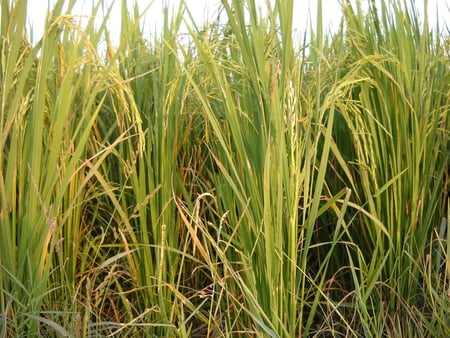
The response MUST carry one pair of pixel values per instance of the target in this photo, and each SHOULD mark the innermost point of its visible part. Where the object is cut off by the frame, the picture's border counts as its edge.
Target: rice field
(235, 182)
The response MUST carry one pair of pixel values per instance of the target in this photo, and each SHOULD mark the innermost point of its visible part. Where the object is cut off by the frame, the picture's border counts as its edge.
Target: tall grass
(228, 182)
(53, 95)
(271, 150)
(399, 125)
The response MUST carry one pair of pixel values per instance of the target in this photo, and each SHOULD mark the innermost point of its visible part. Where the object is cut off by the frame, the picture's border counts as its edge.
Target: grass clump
(234, 182)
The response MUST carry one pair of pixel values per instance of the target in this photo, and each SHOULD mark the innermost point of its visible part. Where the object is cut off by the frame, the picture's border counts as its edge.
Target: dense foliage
(234, 182)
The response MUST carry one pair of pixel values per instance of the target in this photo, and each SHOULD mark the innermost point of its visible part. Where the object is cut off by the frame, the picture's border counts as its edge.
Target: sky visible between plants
(204, 10)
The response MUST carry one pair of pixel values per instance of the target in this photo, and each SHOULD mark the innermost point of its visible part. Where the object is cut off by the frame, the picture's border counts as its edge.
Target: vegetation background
(228, 182)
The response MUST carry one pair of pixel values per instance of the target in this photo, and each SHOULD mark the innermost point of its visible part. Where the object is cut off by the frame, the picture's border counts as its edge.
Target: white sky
(202, 9)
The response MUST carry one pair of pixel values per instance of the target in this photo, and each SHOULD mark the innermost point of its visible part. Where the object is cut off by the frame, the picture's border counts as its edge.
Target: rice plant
(225, 181)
